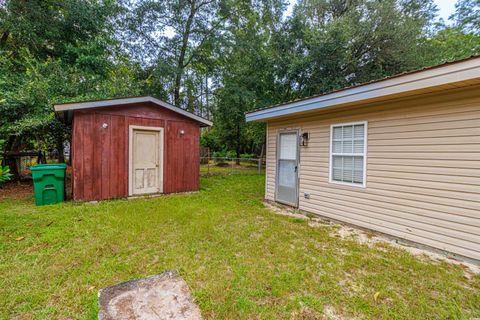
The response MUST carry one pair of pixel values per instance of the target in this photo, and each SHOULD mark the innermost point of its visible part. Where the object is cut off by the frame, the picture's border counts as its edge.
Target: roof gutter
(455, 72)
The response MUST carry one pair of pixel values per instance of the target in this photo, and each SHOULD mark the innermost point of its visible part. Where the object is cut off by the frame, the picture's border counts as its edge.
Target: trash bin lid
(48, 166)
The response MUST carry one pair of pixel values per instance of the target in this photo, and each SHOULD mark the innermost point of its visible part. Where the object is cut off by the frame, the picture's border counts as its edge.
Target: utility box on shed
(133, 146)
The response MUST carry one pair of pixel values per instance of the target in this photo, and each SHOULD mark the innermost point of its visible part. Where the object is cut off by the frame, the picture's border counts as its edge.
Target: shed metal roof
(66, 109)
(435, 76)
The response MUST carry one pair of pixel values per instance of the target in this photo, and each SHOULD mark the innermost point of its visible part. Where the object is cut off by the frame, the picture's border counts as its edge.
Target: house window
(348, 145)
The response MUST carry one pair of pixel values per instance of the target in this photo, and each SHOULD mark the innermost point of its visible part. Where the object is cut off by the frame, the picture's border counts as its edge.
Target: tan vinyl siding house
(406, 164)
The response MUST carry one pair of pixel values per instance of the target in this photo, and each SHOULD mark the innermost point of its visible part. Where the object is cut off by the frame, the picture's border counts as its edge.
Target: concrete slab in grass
(164, 296)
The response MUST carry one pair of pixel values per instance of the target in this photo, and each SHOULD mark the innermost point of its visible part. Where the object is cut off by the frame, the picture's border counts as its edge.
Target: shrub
(231, 154)
(223, 154)
(5, 174)
(218, 154)
(247, 156)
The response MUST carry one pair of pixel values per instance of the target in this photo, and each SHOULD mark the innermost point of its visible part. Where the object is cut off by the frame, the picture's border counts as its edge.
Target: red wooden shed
(132, 146)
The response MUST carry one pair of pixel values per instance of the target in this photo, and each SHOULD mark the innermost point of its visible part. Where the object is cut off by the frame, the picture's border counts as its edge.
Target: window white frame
(330, 167)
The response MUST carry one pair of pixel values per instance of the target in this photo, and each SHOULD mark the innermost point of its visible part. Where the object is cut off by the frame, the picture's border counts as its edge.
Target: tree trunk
(12, 146)
(207, 109)
(176, 92)
(70, 151)
(4, 38)
(262, 151)
(238, 145)
(61, 151)
(183, 50)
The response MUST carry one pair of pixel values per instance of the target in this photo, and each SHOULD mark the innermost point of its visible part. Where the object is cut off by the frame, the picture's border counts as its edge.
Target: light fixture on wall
(104, 125)
(182, 132)
(304, 139)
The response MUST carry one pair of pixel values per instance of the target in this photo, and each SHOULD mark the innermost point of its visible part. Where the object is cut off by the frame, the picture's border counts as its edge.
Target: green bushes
(247, 156)
(224, 154)
(232, 155)
(5, 174)
(221, 157)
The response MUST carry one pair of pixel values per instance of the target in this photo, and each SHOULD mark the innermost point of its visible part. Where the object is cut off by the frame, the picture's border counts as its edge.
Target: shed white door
(146, 161)
(287, 168)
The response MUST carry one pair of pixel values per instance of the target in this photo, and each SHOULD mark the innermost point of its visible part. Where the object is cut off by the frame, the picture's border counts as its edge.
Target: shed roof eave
(69, 107)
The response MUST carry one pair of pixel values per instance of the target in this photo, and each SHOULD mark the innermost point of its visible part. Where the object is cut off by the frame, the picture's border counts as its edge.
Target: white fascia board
(451, 73)
(116, 102)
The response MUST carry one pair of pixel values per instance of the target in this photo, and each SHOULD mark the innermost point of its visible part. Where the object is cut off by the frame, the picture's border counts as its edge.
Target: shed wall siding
(100, 156)
(423, 169)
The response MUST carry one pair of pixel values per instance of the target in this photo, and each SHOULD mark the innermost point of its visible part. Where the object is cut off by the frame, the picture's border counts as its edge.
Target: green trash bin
(49, 183)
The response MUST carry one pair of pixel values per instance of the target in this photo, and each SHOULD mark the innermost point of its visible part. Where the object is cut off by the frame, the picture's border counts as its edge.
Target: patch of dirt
(331, 314)
(16, 190)
(306, 313)
(371, 238)
(364, 237)
(285, 211)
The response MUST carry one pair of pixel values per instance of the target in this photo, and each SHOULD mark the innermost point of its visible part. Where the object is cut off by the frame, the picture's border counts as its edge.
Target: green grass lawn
(230, 167)
(240, 260)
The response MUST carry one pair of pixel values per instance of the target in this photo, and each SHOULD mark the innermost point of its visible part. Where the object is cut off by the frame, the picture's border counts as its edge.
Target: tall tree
(467, 16)
(220, 57)
(457, 40)
(246, 75)
(337, 43)
(169, 36)
(55, 51)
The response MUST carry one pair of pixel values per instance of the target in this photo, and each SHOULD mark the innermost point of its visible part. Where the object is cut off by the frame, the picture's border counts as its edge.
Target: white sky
(445, 8)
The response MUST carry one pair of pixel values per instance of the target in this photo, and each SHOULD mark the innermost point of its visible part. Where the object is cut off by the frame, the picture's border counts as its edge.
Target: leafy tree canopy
(51, 52)
(216, 58)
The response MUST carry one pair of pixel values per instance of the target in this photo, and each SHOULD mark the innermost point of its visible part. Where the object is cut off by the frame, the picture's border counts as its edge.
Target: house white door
(145, 161)
(287, 168)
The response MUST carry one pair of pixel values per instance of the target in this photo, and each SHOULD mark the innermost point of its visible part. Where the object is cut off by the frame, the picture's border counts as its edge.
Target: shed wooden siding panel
(100, 156)
(423, 170)
(183, 171)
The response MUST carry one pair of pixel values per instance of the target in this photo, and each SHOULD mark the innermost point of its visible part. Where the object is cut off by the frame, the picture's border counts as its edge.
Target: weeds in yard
(240, 260)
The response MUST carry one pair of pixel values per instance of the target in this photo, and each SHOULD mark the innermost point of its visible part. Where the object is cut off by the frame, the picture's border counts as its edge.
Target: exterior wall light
(304, 139)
